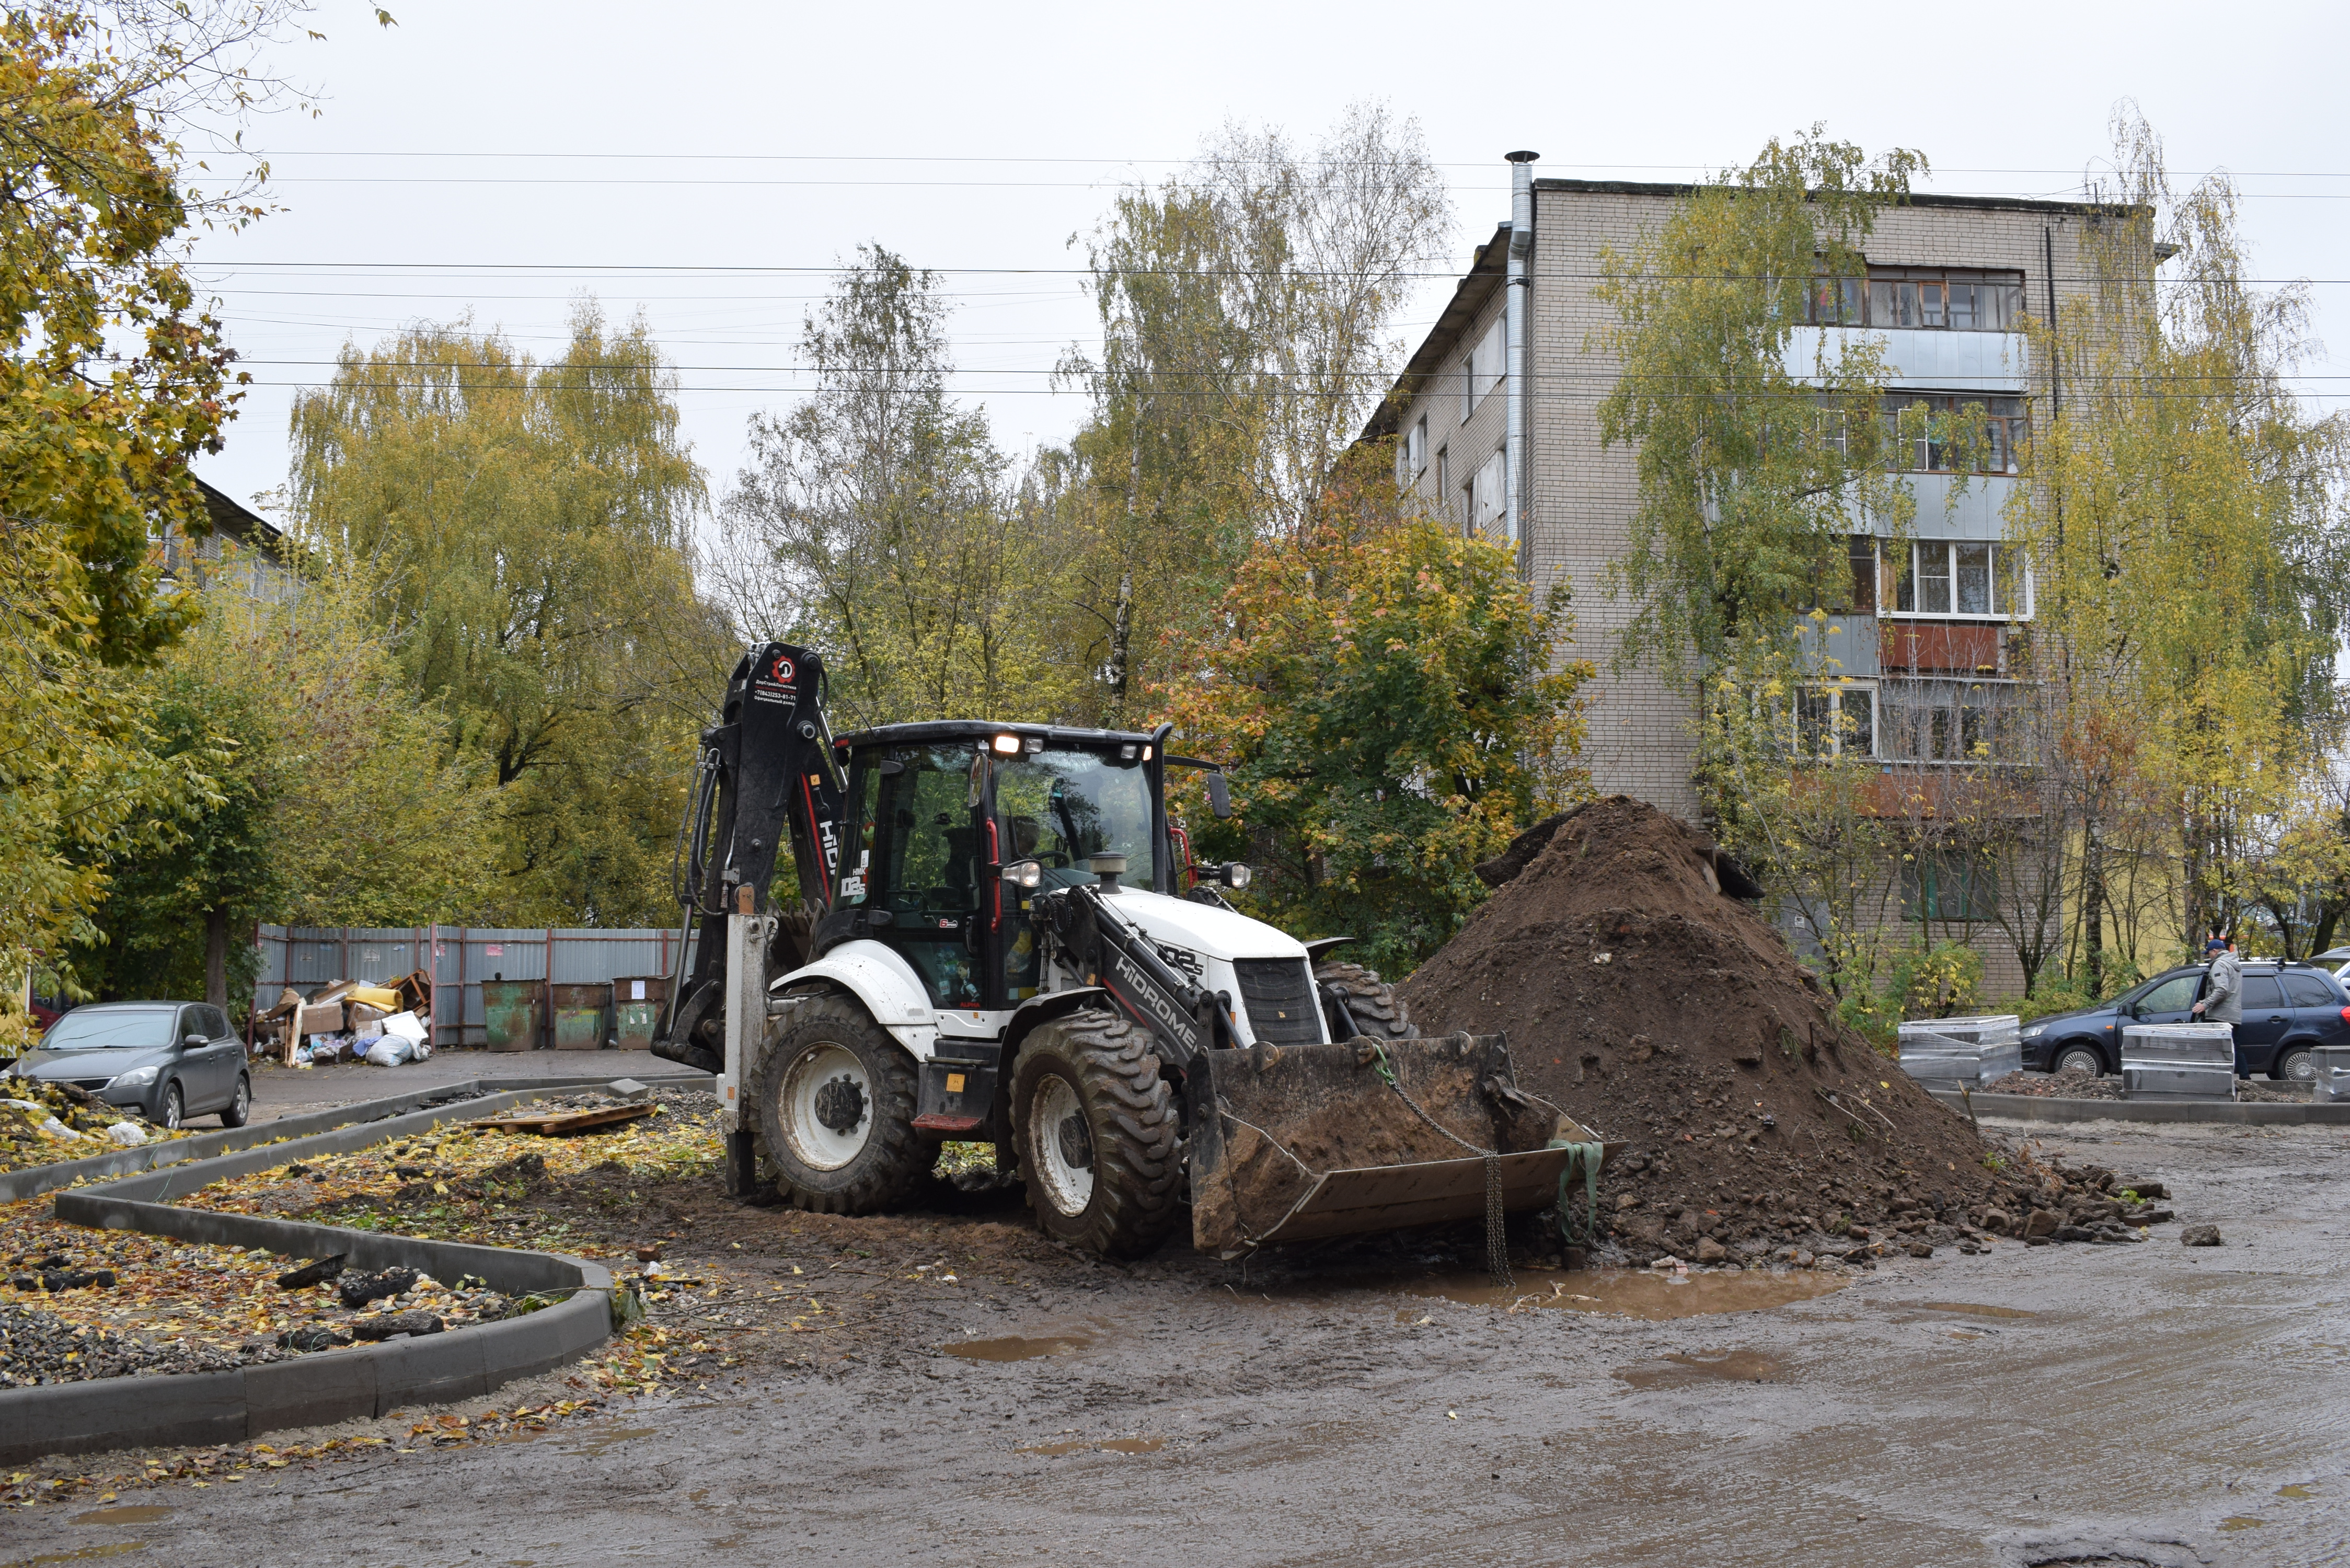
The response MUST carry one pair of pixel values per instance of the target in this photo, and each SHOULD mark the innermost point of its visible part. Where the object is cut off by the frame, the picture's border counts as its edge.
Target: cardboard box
(320, 1018)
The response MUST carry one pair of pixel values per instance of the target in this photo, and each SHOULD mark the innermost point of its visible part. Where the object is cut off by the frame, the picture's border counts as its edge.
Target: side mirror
(1219, 795)
(1025, 875)
(194, 1041)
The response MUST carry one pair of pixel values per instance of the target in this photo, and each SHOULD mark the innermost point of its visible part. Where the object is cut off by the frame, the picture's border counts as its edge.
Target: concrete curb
(323, 1386)
(2223, 1113)
(34, 1180)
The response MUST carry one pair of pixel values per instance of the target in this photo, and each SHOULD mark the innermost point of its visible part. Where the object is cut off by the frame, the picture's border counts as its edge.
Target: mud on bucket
(1295, 1143)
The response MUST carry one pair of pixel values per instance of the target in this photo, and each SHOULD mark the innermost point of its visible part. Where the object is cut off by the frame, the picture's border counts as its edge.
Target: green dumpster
(580, 1015)
(511, 1013)
(637, 1001)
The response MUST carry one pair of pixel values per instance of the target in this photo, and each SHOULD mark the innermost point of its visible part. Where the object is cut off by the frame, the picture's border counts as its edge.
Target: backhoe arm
(768, 777)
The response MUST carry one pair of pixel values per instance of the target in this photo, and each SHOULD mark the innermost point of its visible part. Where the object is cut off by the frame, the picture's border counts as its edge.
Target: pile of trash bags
(351, 1020)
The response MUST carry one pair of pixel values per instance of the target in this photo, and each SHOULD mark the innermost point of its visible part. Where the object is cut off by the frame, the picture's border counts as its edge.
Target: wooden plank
(556, 1123)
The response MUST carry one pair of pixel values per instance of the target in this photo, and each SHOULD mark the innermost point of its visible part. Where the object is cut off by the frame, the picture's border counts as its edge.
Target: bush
(1944, 981)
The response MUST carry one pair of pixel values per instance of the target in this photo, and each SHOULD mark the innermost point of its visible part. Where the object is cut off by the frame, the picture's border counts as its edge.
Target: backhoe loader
(1001, 936)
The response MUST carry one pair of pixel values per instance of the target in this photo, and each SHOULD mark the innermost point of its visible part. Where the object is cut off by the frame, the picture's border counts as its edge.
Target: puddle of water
(1970, 1308)
(1014, 1349)
(1679, 1370)
(131, 1513)
(593, 1444)
(2240, 1523)
(1639, 1293)
(2298, 1492)
(1085, 1446)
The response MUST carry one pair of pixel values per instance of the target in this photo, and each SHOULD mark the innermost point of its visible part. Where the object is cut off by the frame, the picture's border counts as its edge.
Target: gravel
(40, 1347)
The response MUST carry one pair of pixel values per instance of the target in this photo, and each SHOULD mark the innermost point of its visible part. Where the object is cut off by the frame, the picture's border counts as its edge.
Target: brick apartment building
(1926, 649)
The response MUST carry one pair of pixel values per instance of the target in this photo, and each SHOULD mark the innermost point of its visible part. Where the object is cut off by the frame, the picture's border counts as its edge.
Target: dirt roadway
(2176, 1406)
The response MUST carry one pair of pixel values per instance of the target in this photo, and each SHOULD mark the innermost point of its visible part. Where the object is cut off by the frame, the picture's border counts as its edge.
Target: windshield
(121, 1028)
(1062, 807)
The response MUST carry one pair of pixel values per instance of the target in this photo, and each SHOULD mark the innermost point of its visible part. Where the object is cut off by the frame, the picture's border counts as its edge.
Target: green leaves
(1759, 444)
(516, 534)
(1383, 692)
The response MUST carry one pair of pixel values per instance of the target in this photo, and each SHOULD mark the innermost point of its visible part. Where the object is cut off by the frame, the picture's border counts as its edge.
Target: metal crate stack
(2179, 1062)
(2331, 1086)
(1962, 1052)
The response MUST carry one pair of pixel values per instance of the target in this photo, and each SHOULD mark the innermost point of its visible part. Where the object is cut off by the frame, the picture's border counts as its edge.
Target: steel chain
(1497, 1243)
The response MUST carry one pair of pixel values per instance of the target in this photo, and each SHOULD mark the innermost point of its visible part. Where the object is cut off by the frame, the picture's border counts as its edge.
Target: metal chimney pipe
(1518, 486)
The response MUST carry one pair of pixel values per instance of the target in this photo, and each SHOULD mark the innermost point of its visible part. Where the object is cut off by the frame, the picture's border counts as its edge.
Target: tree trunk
(216, 957)
(2093, 904)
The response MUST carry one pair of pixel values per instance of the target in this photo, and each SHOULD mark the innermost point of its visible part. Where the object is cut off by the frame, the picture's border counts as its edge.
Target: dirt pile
(1660, 1011)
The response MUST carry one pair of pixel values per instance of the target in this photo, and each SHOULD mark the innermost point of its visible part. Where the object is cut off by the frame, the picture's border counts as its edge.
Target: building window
(1411, 458)
(1952, 722)
(1837, 721)
(1959, 577)
(1486, 497)
(1937, 433)
(1912, 299)
(1939, 885)
(1487, 364)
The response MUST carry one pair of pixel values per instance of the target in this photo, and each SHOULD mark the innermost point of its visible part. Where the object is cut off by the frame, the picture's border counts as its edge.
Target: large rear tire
(835, 1096)
(1096, 1129)
(1370, 1001)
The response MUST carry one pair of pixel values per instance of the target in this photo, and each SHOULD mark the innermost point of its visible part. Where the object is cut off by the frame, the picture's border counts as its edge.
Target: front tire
(836, 1094)
(1096, 1129)
(2079, 1058)
(1370, 1001)
(175, 1107)
(239, 1109)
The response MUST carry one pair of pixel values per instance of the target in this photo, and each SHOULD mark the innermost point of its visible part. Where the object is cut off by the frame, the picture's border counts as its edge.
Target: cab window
(917, 852)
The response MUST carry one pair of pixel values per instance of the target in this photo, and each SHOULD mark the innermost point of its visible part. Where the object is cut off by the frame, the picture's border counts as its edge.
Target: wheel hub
(826, 1107)
(840, 1104)
(1077, 1142)
(1063, 1145)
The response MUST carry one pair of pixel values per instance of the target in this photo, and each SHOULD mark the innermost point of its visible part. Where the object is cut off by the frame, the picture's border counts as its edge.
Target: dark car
(2288, 1009)
(169, 1060)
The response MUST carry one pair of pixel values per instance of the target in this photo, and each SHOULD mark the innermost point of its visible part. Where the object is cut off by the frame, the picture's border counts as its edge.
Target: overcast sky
(506, 159)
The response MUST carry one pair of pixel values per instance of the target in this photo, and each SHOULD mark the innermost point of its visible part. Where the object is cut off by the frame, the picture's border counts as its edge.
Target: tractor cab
(935, 811)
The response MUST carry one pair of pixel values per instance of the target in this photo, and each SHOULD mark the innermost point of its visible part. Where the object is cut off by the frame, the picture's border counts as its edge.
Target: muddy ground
(2073, 1404)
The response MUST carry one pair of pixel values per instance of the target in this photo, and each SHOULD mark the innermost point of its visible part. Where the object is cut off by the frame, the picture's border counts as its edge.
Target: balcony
(1909, 648)
(1921, 359)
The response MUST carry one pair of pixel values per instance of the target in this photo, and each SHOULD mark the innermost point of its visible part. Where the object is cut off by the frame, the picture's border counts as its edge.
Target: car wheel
(238, 1110)
(2078, 1059)
(175, 1107)
(2294, 1064)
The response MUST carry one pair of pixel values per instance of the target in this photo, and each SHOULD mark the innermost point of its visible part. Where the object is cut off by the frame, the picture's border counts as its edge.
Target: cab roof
(979, 729)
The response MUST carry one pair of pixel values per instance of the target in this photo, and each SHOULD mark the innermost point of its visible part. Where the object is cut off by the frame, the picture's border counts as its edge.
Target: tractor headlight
(138, 1078)
(1234, 875)
(1028, 875)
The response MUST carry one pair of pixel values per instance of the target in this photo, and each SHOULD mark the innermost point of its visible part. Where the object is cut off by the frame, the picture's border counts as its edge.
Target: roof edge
(1919, 199)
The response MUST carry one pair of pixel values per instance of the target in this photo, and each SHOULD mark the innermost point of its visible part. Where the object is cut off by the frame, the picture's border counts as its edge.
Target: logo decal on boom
(1165, 1011)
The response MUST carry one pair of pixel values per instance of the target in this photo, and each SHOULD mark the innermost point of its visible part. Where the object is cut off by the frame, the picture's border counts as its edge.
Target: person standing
(2223, 991)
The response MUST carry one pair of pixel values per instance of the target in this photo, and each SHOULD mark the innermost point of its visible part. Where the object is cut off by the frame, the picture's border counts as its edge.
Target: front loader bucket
(1295, 1143)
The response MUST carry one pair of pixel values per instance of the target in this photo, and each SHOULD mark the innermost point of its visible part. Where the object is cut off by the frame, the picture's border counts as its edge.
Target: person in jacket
(2223, 992)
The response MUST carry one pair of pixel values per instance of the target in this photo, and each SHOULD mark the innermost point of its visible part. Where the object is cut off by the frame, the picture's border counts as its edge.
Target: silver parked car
(168, 1060)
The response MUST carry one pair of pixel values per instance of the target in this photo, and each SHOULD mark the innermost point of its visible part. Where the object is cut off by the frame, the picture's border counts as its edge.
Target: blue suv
(2288, 1009)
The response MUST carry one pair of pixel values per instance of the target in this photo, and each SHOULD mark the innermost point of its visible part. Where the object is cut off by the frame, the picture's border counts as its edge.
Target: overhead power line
(807, 270)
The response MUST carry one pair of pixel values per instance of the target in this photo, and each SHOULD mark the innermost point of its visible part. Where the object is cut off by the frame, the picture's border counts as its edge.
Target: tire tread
(1138, 1175)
